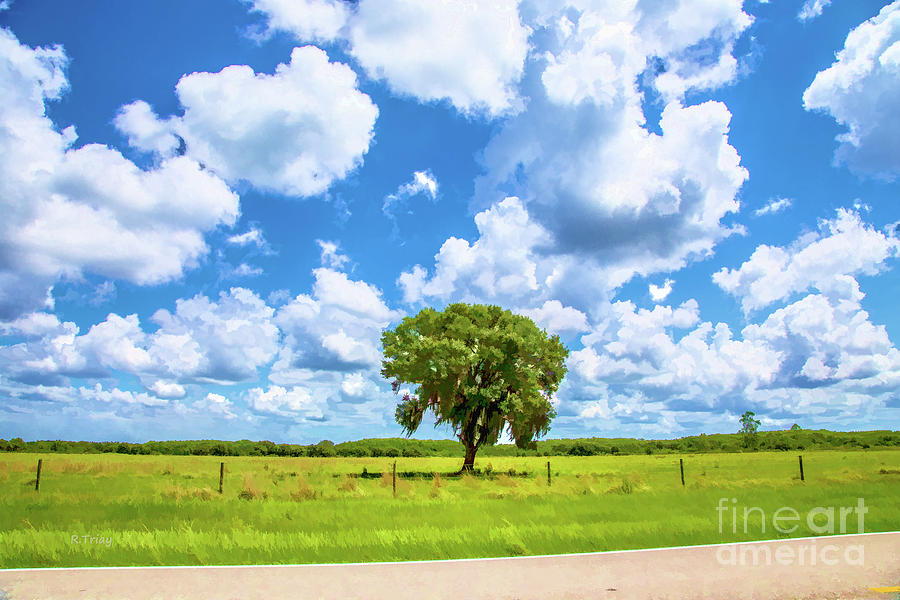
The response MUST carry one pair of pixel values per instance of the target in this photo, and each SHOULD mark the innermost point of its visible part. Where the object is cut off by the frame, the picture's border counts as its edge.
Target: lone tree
(479, 368)
(749, 425)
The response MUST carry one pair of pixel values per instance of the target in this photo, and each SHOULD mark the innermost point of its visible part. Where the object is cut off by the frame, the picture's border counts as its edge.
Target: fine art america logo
(821, 520)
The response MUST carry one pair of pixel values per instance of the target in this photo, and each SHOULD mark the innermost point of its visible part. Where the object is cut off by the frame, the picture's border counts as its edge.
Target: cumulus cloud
(337, 328)
(804, 359)
(773, 206)
(861, 91)
(225, 340)
(144, 129)
(601, 48)
(167, 389)
(215, 404)
(202, 340)
(658, 293)
(823, 339)
(826, 260)
(617, 198)
(819, 355)
(319, 20)
(499, 263)
(294, 132)
(610, 217)
(287, 402)
(471, 54)
(155, 219)
(556, 318)
(358, 386)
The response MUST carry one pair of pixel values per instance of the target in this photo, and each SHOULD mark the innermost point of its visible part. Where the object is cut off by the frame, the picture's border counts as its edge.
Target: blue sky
(213, 209)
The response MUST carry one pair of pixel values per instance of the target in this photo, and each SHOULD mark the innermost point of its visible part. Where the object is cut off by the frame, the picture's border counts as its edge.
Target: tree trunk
(469, 463)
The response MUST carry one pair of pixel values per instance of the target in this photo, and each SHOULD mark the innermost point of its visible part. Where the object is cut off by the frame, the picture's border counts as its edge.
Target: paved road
(845, 567)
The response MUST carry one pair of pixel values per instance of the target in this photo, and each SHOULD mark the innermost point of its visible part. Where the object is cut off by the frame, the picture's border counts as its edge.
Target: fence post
(37, 481)
(395, 479)
(548, 473)
(221, 475)
(681, 464)
(801, 467)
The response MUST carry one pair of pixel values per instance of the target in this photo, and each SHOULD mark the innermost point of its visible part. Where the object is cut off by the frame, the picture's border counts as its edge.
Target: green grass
(166, 510)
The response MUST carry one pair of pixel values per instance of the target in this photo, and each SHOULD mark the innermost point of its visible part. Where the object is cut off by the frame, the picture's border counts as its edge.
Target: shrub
(583, 449)
(353, 451)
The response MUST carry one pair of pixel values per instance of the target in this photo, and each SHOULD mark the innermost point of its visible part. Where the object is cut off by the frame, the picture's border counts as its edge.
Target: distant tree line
(795, 439)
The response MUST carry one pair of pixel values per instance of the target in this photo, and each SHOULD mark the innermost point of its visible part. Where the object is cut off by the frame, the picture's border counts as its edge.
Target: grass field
(116, 510)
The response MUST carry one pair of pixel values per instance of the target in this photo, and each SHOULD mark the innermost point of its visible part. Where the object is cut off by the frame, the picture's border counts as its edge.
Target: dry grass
(348, 484)
(176, 492)
(304, 491)
(249, 490)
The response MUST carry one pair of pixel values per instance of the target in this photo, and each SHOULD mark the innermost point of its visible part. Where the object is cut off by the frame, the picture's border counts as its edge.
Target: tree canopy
(481, 369)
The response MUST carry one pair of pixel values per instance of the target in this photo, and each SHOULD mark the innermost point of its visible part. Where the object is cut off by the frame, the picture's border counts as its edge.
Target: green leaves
(479, 368)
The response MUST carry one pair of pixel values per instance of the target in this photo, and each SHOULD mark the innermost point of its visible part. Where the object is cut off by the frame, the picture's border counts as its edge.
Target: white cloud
(500, 263)
(773, 206)
(601, 52)
(244, 270)
(32, 325)
(118, 396)
(861, 91)
(202, 340)
(319, 20)
(351, 350)
(422, 183)
(215, 404)
(615, 198)
(556, 318)
(812, 9)
(144, 130)
(277, 400)
(155, 218)
(470, 53)
(844, 246)
(294, 132)
(118, 343)
(825, 339)
(636, 349)
(337, 329)
(357, 297)
(818, 356)
(610, 216)
(167, 389)
(218, 341)
(357, 385)
(252, 236)
(658, 293)
(330, 257)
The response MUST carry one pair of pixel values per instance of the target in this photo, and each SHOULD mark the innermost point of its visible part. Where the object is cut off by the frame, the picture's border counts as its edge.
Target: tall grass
(167, 510)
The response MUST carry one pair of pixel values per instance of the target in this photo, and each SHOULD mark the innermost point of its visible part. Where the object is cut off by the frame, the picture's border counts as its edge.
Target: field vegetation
(790, 440)
(111, 509)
